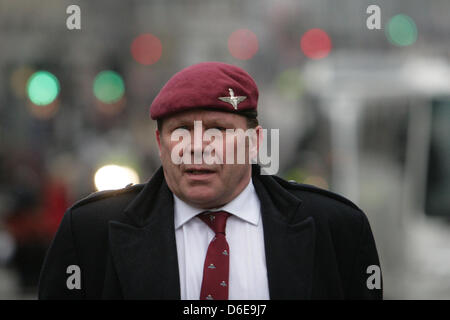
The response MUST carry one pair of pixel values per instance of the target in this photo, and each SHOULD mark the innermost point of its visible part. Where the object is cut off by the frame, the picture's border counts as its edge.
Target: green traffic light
(108, 86)
(42, 88)
(401, 30)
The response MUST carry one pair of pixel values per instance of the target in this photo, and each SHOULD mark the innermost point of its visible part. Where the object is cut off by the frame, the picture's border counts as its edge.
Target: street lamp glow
(113, 177)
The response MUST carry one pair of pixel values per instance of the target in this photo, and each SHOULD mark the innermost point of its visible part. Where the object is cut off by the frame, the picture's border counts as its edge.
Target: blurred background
(361, 98)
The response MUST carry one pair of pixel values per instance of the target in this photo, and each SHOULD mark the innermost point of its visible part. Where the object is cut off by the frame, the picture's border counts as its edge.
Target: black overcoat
(318, 245)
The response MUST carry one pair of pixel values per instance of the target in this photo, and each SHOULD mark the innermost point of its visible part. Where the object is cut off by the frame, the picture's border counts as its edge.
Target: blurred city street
(363, 110)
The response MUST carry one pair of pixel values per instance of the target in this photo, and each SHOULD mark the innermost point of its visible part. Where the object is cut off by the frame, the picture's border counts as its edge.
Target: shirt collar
(245, 206)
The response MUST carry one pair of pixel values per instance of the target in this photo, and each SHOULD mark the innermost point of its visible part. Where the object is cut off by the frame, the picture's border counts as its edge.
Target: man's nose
(197, 145)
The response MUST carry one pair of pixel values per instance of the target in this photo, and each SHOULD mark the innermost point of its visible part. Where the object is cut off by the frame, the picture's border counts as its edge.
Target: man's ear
(259, 134)
(158, 139)
(254, 145)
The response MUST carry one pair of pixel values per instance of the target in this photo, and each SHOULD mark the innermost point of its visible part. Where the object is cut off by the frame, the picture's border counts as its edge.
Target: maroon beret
(213, 85)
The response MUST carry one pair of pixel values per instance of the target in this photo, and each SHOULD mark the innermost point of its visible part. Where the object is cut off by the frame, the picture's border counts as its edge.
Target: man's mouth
(198, 171)
(203, 171)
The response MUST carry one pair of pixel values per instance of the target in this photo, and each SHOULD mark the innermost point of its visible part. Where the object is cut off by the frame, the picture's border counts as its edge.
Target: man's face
(205, 185)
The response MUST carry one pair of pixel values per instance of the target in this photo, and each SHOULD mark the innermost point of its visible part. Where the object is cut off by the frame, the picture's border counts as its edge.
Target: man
(211, 230)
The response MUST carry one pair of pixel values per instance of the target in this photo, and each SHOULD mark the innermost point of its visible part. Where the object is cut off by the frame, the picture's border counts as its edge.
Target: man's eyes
(212, 127)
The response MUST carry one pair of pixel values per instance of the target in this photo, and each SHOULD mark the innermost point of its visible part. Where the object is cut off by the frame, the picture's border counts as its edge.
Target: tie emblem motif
(216, 266)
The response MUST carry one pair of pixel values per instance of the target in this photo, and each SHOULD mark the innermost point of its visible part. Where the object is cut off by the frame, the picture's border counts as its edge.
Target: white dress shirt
(244, 233)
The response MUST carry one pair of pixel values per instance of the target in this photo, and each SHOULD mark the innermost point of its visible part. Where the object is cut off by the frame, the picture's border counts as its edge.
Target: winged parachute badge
(232, 99)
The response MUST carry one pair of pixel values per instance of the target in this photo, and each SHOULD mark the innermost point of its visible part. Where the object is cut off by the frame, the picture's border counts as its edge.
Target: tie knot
(217, 221)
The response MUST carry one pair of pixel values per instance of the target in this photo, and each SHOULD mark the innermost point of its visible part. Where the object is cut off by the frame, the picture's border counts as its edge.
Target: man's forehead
(203, 115)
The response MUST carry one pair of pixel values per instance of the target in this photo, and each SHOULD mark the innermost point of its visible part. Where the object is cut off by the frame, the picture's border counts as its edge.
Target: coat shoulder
(90, 216)
(324, 196)
(328, 208)
(110, 200)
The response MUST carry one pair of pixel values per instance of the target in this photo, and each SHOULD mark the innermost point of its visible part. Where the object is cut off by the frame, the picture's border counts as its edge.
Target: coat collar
(289, 239)
(144, 253)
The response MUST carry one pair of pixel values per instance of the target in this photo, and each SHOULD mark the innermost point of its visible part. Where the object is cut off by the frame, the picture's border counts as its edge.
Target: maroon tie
(217, 261)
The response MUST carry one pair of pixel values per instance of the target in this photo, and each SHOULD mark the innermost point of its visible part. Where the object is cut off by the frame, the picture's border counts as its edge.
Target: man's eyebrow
(220, 121)
(181, 122)
(208, 122)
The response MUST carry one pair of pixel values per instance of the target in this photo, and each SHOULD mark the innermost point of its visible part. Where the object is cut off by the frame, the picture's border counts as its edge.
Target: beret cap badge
(232, 99)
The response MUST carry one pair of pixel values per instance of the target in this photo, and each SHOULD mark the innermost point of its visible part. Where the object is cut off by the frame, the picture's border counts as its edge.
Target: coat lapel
(144, 253)
(289, 236)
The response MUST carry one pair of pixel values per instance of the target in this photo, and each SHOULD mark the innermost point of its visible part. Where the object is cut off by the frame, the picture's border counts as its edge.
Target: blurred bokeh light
(243, 44)
(290, 84)
(109, 86)
(42, 88)
(19, 79)
(146, 49)
(112, 177)
(401, 30)
(316, 44)
(44, 112)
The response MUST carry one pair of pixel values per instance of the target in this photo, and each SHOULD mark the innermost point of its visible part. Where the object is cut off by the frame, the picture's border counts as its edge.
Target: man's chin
(202, 197)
